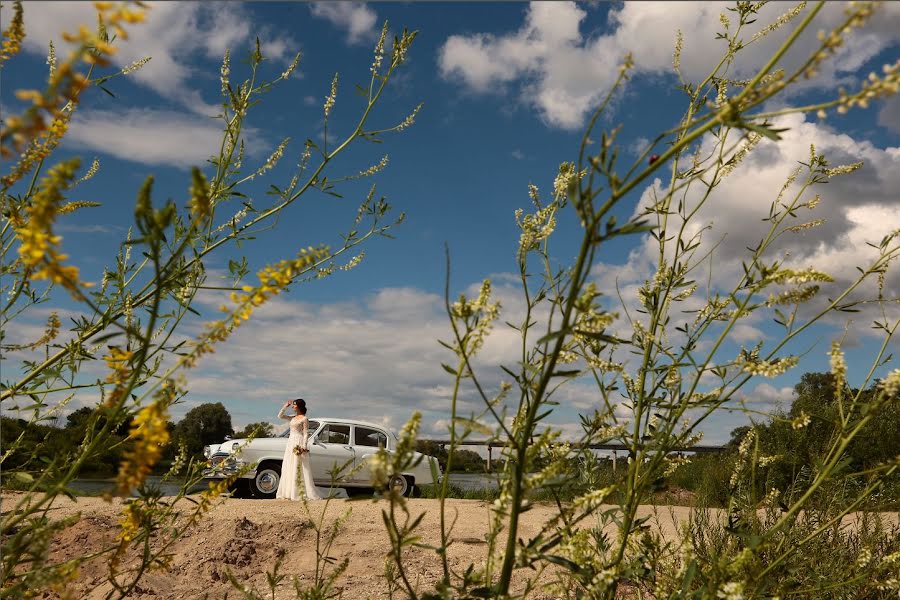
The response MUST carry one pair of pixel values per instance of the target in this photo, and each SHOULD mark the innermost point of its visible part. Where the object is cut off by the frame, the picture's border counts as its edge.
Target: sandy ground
(245, 537)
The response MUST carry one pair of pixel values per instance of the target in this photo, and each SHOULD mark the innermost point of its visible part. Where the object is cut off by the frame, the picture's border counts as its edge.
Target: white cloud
(858, 208)
(563, 72)
(357, 19)
(174, 34)
(889, 115)
(155, 137)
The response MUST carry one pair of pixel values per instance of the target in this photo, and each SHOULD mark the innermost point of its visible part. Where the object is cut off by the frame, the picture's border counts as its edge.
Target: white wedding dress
(292, 465)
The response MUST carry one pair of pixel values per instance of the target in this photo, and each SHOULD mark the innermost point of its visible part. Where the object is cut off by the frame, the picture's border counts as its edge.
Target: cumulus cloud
(561, 71)
(857, 208)
(174, 35)
(149, 136)
(357, 19)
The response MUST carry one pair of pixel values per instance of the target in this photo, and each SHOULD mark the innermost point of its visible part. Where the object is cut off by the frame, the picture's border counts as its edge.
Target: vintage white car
(333, 443)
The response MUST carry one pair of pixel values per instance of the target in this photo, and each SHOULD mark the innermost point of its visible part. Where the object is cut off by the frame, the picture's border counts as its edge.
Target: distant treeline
(205, 424)
(796, 450)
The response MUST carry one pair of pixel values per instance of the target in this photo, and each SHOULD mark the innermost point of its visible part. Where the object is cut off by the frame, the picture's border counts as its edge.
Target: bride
(296, 454)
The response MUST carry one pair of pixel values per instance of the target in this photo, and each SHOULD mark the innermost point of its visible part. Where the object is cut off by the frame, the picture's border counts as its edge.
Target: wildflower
(379, 50)
(13, 35)
(793, 296)
(785, 276)
(676, 55)
(864, 558)
(779, 22)
(273, 159)
(329, 100)
(200, 202)
(891, 384)
(565, 178)
(800, 421)
(38, 247)
(843, 169)
(731, 591)
(291, 67)
(136, 65)
(225, 71)
(150, 434)
(51, 59)
(409, 120)
(770, 368)
(736, 159)
(375, 168)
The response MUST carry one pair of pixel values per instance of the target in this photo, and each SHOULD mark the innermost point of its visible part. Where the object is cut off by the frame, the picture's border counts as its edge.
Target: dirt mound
(243, 539)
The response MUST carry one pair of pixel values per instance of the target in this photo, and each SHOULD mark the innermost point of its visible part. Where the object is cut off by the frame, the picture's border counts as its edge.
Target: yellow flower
(150, 434)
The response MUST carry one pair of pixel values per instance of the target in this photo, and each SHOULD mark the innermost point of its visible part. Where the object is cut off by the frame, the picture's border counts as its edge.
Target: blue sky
(505, 87)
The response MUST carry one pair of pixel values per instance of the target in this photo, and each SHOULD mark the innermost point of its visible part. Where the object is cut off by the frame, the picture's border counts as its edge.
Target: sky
(506, 91)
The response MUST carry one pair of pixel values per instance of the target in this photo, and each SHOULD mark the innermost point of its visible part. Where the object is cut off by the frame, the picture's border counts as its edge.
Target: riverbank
(245, 537)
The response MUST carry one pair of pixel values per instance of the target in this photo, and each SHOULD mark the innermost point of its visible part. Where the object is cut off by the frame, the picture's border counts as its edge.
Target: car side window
(370, 437)
(335, 434)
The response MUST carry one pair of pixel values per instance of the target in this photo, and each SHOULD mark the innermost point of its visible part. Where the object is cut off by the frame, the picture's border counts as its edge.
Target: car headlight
(206, 452)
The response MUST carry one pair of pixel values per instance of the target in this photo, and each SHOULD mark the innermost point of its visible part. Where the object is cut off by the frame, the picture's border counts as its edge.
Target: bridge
(612, 447)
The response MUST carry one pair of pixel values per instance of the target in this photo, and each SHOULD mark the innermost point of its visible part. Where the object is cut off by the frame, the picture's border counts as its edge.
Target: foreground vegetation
(659, 375)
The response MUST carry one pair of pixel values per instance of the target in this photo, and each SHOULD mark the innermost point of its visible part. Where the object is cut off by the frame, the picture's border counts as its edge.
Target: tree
(206, 424)
(261, 429)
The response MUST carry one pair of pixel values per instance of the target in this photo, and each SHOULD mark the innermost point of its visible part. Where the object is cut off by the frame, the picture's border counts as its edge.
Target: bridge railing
(706, 449)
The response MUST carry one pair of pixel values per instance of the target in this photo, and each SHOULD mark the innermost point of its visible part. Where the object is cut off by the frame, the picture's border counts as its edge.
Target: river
(95, 487)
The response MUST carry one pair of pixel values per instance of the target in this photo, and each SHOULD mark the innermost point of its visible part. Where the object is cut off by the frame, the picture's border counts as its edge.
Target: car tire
(264, 485)
(402, 484)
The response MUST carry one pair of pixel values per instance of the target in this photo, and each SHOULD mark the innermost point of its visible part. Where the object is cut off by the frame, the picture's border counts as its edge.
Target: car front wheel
(265, 484)
(401, 484)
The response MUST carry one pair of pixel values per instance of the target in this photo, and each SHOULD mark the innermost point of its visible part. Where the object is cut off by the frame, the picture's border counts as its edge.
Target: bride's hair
(300, 406)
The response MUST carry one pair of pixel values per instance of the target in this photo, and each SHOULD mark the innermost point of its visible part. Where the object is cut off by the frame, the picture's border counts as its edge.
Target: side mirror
(227, 437)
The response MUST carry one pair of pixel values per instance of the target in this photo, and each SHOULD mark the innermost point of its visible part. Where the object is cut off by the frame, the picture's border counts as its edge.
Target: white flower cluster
(482, 310)
(800, 421)
(409, 120)
(225, 71)
(51, 58)
(797, 277)
(379, 50)
(838, 365)
(535, 228)
(566, 176)
(136, 65)
(329, 100)
(732, 590)
(380, 166)
(891, 384)
(605, 365)
(272, 160)
(291, 67)
(795, 296)
(353, 261)
(769, 368)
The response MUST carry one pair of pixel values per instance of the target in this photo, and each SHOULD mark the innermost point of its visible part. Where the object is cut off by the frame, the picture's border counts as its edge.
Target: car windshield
(313, 425)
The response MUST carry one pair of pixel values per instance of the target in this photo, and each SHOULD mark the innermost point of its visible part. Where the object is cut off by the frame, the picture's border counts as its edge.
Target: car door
(366, 442)
(331, 449)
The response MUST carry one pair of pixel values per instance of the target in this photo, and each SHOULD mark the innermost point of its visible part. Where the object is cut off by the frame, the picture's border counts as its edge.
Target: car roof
(350, 422)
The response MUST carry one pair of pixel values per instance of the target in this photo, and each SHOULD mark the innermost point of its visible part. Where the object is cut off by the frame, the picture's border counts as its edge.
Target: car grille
(216, 459)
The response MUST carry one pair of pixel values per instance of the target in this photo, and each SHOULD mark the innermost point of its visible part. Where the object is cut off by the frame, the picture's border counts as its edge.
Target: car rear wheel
(401, 484)
(265, 484)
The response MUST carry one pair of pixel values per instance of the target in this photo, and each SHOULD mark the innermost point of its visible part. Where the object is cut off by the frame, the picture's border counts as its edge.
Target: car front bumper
(223, 466)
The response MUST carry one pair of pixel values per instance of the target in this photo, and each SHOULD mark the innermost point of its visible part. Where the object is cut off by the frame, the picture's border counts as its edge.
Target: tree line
(205, 424)
(797, 448)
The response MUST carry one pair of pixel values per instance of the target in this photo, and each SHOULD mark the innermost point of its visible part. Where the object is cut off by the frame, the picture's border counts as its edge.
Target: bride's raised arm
(281, 412)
